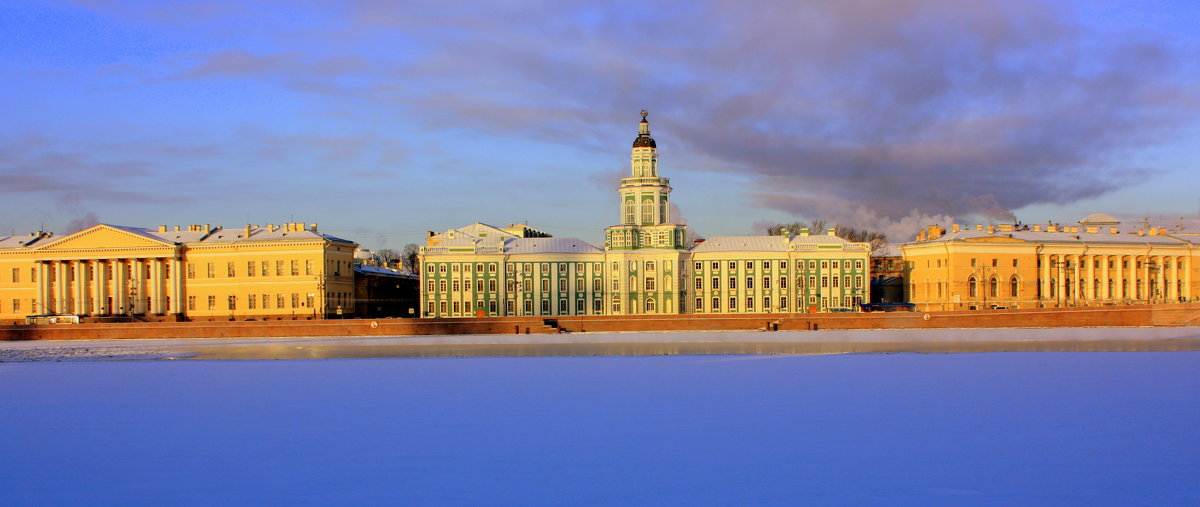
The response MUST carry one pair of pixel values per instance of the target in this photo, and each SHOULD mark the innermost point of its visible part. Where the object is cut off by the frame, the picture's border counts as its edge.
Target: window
(994, 288)
(716, 283)
(766, 282)
(492, 285)
(824, 281)
(857, 264)
(699, 266)
(1014, 263)
(749, 264)
(616, 285)
(846, 282)
(699, 283)
(251, 303)
(782, 265)
(650, 284)
(597, 286)
(16, 275)
(716, 304)
(858, 282)
(783, 303)
(995, 262)
(972, 288)
(456, 286)
(812, 281)
(783, 282)
(457, 305)
(295, 300)
(478, 285)
(278, 268)
(732, 282)
(308, 267)
(545, 285)
(650, 306)
(616, 305)
(191, 303)
(824, 265)
(649, 265)
(733, 303)
(250, 268)
(595, 306)
(835, 280)
(309, 300)
(191, 271)
(749, 282)
(442, 307)
(973, 262)
(212, 302)
(837, 264)
(732, 265)
(545, 306)
(491, 268)
(295, 268)
(442, 285)
(767, 303)
(266, 301)
(279, 302)
(749, 303)
(266, 269)
(212, 270)
(715, 265)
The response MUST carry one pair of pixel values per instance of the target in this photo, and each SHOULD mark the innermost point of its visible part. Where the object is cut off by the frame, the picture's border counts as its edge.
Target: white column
(98, 287)
(1092, 290)
(1118, 287)
(1104, 278)
(80, 288)
(177, 278)
(155, 292)
(1046, 295)
(60, 287)
(39, 307)
(120, 290)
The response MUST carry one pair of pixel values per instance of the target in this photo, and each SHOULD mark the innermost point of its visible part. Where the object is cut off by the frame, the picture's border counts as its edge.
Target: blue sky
(381, 120)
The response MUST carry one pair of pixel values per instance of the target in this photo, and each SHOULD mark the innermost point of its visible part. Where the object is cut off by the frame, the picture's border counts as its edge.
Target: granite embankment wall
(1113, 316)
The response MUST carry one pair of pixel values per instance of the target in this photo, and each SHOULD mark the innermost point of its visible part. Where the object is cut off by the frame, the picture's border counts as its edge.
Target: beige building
(1088, 264)
(195, 272)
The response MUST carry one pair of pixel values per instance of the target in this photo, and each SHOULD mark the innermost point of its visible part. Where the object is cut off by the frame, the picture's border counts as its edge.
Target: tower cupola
(643, 139)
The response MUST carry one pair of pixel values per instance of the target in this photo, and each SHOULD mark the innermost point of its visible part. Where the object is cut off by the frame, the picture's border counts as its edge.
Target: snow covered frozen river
(1028, 428)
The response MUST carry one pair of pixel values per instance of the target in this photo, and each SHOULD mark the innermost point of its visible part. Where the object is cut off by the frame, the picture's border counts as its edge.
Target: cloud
(892, 111)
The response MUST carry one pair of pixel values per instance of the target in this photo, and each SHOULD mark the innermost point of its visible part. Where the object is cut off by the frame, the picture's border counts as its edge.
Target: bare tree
(386, 256)
(410, 259)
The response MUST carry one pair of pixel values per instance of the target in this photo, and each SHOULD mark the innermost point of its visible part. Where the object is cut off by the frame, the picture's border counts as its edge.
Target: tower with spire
(645, 208)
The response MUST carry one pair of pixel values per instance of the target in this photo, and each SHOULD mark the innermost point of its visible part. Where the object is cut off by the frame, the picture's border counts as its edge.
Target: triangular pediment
(105, 236)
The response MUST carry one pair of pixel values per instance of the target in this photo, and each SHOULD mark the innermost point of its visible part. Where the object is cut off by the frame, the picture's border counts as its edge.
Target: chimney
(921, 235)
(991, 229)
(832, 231)
(312, 227)
(247, 235)
(176, 228)
(162, 228)
(1006, 227)
(1113, 230)
(207, 227)
(954, 227)
(804, 231)
(1154, 231)
(430, 234)
(1141, 232)
(978, 227)
(1051, 228)
(1037, 228)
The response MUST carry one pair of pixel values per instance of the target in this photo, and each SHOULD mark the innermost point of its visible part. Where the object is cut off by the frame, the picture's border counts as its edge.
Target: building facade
(1011, 266)
(109, 272)
(645, 266)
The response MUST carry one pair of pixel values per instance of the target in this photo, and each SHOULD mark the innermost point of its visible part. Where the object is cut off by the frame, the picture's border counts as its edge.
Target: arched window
(662, 214)
(994, 288)
(1013, 287)
(972, 288)
(647, 211)
(1095, 288)
(1110, 289)
(649, 305)
(629, 218)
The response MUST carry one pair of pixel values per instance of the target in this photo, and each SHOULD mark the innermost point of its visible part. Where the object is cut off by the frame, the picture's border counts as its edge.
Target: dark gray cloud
(874, 113)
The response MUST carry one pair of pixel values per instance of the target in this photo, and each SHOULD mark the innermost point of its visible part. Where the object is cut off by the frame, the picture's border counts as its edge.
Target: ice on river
(885, 429)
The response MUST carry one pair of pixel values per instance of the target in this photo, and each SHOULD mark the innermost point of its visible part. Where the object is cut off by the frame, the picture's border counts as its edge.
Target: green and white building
(646, 265)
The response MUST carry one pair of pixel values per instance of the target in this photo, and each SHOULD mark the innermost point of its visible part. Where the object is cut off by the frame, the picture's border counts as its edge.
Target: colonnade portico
(103, 287)
(1080, 278)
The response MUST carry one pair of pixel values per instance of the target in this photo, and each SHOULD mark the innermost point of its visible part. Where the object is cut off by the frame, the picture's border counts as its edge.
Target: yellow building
(1009, 266)
(109, 272)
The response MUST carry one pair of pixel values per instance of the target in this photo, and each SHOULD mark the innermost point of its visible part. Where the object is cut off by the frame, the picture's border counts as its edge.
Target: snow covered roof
(743, 244)
(517, 246)
(375, 270)
(24, 241)
(1061, 237)
(888, 250)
